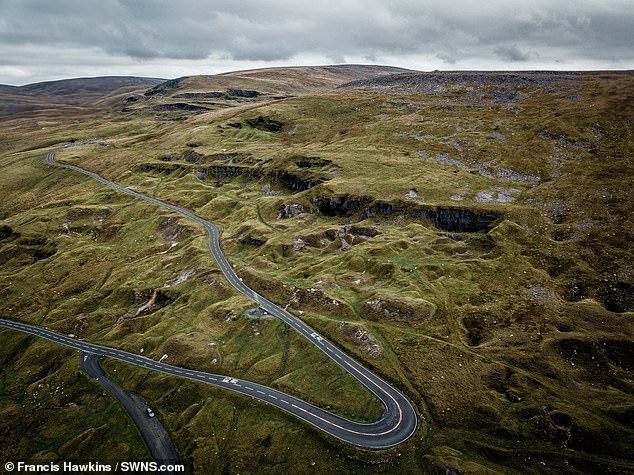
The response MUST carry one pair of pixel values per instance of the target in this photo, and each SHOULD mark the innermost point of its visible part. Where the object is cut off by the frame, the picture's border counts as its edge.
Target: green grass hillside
(468, 236)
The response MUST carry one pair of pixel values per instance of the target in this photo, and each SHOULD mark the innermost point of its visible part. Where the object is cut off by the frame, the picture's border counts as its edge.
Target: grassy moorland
(466, 235)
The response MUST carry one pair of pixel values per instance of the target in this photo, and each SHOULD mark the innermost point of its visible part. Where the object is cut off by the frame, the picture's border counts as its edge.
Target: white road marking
(286, 317)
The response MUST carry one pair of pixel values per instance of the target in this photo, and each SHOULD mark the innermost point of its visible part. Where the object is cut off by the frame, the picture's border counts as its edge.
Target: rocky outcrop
(170, 229)
(228, 171)
(265, 124)
(364, 231)
(176, 106)
(311, 162)
(228, 95)
(292, 210)
(192, 157)
(457, 219)
(344, 237)
(437, 81)
(151, 167)
(151, 300)
(340, 205)
(163, 87)
(311, 297)
(295, 182)
(252, 241)
(379, 207)
(447, 218)
(232, 156)
(363, 338)
(407, 310)
(242, 93)
(95, 214)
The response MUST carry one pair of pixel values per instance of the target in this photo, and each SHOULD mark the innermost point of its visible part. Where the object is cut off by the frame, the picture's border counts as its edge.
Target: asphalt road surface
(399, 419)
(154, 434)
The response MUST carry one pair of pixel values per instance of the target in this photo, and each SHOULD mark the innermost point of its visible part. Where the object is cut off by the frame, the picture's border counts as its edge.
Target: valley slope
(466, 235)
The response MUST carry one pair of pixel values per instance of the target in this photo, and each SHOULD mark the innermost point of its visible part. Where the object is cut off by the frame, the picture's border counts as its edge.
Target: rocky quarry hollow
(192, 162)
(447, 218)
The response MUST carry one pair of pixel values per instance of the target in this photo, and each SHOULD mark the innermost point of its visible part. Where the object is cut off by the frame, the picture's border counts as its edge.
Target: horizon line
(405, 71)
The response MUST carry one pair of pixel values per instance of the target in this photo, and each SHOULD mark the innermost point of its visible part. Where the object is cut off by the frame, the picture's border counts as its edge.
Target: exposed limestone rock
(448, 218)
(363, 337)
(171, 230)
(398, 309)
(292, 210)
(265, 124)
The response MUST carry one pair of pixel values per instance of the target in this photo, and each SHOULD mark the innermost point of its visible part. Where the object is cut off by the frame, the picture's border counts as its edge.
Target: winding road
(156, 438)
(399, 419)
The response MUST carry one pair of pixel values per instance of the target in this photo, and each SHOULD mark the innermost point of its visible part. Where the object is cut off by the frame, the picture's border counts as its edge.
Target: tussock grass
(501, 370)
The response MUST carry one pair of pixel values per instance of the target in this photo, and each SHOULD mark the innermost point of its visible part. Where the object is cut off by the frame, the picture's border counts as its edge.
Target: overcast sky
(53, 39)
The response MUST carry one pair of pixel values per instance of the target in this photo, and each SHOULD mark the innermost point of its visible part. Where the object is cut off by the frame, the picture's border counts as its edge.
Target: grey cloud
(458, 33)
(511, 53)
(448, 56)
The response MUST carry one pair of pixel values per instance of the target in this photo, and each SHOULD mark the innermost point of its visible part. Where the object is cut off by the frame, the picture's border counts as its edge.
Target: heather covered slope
(319, 77)
(208, 92)
(84, 86)
(67, 95)
(466, 235)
